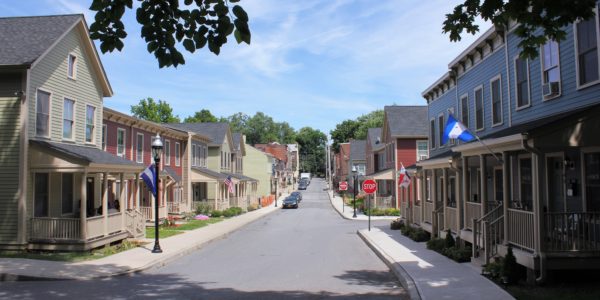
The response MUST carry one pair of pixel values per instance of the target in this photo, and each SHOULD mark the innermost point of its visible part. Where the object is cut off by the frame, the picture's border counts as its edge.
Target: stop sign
(343, 186)
(369, 186)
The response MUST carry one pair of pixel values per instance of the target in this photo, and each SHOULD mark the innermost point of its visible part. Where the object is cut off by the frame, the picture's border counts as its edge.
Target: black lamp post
(157, 147)
(354, 187)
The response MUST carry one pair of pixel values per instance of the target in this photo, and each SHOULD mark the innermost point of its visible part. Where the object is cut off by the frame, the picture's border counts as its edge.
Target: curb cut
(405, 279)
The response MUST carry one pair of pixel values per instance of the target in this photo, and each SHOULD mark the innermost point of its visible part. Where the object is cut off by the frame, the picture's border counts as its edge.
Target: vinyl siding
(406, 150)
(214, 158)
(258, 166)
(50, 74)
(9, 168)
(436, 107)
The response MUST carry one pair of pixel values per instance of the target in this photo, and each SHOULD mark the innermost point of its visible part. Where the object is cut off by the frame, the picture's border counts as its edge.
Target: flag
(229, 184)
(456, 130)
(403, 177)
(149, 177)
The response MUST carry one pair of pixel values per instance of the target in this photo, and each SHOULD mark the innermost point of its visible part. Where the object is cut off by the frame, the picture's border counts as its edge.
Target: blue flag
(456, 130)
(149, 176)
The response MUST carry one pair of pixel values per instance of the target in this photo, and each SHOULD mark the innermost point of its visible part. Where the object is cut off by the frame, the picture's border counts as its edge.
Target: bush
(406, 230)
(436, 245)
(493, 269)
(450, 242)
(203, 209)
(397, 224)
(216, 214)
(252, 207)
(392, 212)
(419, 235)
(458, 254)
(510, 268)
(375, 212)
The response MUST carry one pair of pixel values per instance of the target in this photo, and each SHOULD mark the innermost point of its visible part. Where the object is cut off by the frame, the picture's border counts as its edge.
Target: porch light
(157, 147)
(354, 171)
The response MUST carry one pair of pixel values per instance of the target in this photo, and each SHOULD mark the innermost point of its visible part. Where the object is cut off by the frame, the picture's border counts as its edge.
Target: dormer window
(72, 66)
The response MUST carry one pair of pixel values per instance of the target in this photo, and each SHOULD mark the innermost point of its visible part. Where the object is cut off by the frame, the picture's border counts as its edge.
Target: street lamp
(354, 186)
(157, 147)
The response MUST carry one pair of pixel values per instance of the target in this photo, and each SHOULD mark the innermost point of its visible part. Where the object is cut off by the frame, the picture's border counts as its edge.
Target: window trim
(520, 181)
(426, 148)
(545, 98)
(177, 154)
(462, 117)
(124, 142)
(517, 107)
(139, 157)
(576, 54)
(440, 130)
(86, 125)
(477, 88)
(167, 152)
(73, 118)
(583, 152)
(499, 78)
(49, 112)
(432, 130)
(76, 59)
(104, 137)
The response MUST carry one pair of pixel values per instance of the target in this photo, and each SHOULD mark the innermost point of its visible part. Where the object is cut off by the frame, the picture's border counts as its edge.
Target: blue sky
(311, 62)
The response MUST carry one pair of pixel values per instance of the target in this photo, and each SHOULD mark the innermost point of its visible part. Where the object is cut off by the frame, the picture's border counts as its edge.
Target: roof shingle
(407, 121)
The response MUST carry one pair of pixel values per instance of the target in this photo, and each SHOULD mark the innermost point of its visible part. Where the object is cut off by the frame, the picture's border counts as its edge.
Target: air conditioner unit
(423, 157)
(551, 88)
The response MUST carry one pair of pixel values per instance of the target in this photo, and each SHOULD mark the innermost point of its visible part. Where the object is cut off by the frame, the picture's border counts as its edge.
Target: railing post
(475, 239)
(505, 193)
(485, 237)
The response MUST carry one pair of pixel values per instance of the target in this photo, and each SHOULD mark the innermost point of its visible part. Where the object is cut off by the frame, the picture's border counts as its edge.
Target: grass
(165, 232)
(195, 224)
(73, 256)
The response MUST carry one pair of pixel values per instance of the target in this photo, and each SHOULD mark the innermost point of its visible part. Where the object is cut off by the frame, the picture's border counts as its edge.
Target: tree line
(355, 128)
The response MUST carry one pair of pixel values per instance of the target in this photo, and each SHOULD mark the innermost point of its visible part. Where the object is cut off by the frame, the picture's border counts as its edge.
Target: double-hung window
(551, 68)
(432, 133)
(440, 128)
(479, 108)
(526, 186)
(40, 204)
(104, 136)
(522, 82)
(90, 116)
(167, 152)
(587, 51)
(177, 154)
(67, 193)
(72, 66)
(68, 120)
(120, 141)
(42, 114)
(139, 147)
(193, 154)
(422, 151)
(464, 110)
(496, 97)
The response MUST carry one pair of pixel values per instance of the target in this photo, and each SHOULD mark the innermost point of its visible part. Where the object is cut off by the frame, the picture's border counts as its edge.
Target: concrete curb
(405, 279)
(330, 194)
(158, 262)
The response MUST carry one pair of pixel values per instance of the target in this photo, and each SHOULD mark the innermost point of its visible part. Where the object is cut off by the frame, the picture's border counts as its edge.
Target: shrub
(216, 214)
(397, 224)
(510, 268)
(406, 230)
(375, 212)
(436, 245)
(228, 213)
(392, 212)
(450, 242)
(419, 235)
(203, 209)
(493, 269)
(252, 206)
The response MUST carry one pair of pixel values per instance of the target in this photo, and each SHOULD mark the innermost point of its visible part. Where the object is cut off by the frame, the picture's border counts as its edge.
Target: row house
(340, 163)
(294, 161)
(532, 183)
(54, 174)
(357, 166)
(282, 173)
(379, 168)
(259, 165)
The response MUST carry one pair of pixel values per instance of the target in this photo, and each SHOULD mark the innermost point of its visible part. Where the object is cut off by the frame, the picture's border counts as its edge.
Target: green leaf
(153, 45)
(238, 36)
(239, 13)
(189, 45)
(97, 5)
(188, 2)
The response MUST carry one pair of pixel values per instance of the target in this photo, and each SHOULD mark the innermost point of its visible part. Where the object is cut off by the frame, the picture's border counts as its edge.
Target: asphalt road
(309, 252)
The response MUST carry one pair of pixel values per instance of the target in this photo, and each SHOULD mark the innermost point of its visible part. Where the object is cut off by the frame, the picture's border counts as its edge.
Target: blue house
(533, 181)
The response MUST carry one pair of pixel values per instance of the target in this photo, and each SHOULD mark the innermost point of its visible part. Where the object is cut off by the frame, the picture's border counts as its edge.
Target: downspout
(542, 277)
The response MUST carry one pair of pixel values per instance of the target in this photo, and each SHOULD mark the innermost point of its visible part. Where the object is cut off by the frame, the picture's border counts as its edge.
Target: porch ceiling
(383, 175)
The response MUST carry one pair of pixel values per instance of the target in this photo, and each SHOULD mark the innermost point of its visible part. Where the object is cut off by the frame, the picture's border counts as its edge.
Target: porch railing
(134, 223)
(416, 213)
(384, 202)
(427, 213)
(233, 201)
(173, 207)
(56, 228)
(488, 233)
(95, 227)
(450, 219)
(147, 212)
(472, 211)
(115, 223)
(520, 228)
(438, 220)
(572, 231)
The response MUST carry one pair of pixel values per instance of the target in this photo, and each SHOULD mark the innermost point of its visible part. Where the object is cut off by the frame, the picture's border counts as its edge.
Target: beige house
(54, 174)
(259, 165)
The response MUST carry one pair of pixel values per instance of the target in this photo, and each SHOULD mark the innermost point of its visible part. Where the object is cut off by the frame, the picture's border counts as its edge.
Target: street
(310, 252)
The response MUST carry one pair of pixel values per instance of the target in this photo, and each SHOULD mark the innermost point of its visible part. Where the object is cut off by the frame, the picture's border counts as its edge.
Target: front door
(91, 210)
(555, 170)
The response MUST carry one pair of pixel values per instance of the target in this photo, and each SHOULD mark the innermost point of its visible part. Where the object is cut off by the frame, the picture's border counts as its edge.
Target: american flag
(229, 184)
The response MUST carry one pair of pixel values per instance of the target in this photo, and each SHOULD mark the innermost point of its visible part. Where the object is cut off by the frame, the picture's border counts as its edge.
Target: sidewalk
(425, 274)
(134, 260)
(347, 211)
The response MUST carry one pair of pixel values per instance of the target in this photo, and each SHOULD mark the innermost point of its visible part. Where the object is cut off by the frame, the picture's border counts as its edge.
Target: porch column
(83, 206)
(465, 187)
(433, 196)
(122, 204)
(483, 179)
(423, 194)
(105, 202)
(136, 186)
(537, 175)
(505, 193)
(217, 195)
(445, 195)
(459, 199)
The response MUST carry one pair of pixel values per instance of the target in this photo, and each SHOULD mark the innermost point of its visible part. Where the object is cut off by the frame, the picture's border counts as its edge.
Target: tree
(312, 144)
(373, 119)
(237, 122)
(287, 134)
(356, 129)
(167, 24)
(537, 21)
(342, 133)
(203, 116)
(260, 129)
(160, 112)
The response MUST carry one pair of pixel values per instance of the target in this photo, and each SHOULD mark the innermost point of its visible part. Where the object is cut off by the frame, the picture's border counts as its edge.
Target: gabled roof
(374, 137)
(277, 150)
(345, 150)
(24, 40)
(165, 131)
(358, 149)
(211, 173)
(84, 154)
(406, 121)
(169, 171)
(217, 132)
(238, 142)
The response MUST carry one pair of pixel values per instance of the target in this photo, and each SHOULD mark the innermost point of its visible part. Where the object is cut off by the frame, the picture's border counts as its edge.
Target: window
(167, 152)
(522, 82)
(451, 188)
(193, 154)
(68, 109)
(428, 189)
(496, 95)
(177, 154)
(104, 136)
(464, 110)
(587, 51)
(422, 151)
(592, 181)
(474, 185)
(90, 116)
(479, 108)
(498, 185)
(67, 193)
(432, 133)
(526, 186)
(440, 128)
(139, 157)
(418, 190)
(42, 112)
(550, 63)
(72, 66)
(120, 141)
(40, 204)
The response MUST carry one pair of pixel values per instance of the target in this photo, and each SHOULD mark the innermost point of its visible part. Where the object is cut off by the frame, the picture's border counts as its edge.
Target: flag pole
(486, 146)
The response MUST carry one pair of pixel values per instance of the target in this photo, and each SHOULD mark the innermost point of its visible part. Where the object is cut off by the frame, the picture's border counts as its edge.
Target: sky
(310, 63)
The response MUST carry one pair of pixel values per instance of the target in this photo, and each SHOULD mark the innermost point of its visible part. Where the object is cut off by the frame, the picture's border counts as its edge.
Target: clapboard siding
(9, 168)
(50, 74)
(10, 83)
(440, 105)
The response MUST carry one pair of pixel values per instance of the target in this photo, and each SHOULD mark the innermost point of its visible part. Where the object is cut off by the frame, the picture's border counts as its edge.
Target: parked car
(290, 201)
(297, 195)
(302, 185)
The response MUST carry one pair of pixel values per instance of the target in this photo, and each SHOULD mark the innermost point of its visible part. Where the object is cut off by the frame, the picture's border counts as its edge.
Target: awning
(382, 175)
